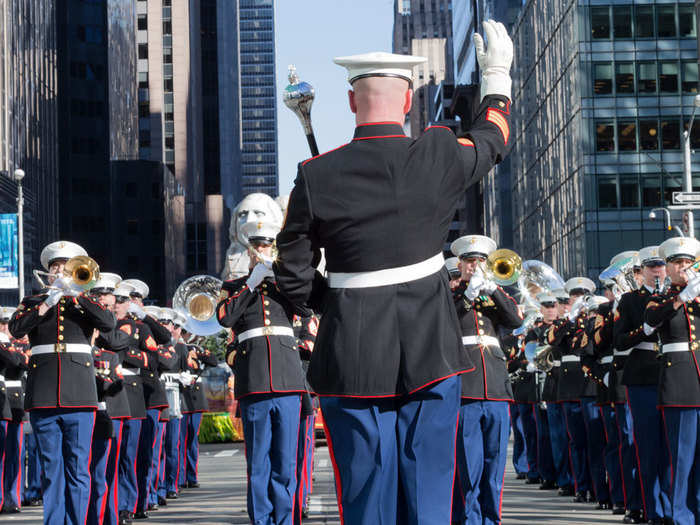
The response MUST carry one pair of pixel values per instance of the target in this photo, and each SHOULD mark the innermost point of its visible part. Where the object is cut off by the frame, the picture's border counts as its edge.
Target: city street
(221, 497)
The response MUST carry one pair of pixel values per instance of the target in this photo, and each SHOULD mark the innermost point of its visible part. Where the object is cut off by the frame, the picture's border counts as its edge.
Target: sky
(309, 34)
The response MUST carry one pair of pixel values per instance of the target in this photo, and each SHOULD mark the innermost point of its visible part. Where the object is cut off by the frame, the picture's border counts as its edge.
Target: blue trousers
(652, 451)
(305, 462)
(527, 420)
(595, 430)
(482, 450)
(630, 474)
(545, 462)
(13, 477)
(171, 450)
(182, 451)
(560, 443)
(578, 448)
(34, 474)
(144, 463)
(111, 509)
(194, 420)
(613, 456)
(156, 473)
(99, 493)
(394, 458)
(682, 431)
(128, 480)
(271, 431)
(520, 452)
(65, 438)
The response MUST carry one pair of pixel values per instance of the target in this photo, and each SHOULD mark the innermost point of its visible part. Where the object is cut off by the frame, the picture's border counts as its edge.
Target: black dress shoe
(12, 509)
(153, 506)
(141, 515)
(520, 476)
(580, 497)
(605, 505)
(124, 517)
(305, 512)
(533, 481)
(548, 485)
(34, 502)
(633, 516)
(620, 509)
(162, 501)
(566, 491)
(192, 485)
(171, 495)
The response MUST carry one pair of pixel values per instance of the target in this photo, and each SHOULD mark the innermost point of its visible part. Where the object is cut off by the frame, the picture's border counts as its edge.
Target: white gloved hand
(72, 292)
(267, 261)
(691, 291)
(530, 368)
(476, 283)
(575, 311)
(606, 379)
(495, 62)
(61, 283)
(489, 287)
(257, 275)
(53, 298)
(648, 330)
(186, 378)
(136, 310)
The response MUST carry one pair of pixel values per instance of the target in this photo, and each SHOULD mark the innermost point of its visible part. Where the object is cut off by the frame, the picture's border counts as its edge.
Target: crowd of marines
(101, 399)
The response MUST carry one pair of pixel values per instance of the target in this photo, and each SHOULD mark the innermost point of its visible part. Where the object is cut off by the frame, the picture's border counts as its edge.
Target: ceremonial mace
(299, 96)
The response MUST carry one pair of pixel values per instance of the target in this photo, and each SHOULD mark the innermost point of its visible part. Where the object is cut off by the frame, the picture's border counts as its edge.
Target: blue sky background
(309, 33)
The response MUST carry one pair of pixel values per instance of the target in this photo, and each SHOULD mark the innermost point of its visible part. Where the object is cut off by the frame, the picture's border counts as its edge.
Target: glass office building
(602, 92)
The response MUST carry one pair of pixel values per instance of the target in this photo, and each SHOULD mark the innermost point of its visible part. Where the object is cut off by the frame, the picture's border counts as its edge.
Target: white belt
(13, 384)
(675, 347)
(265, 330)
(129, 372)
(606, 360)
(101, 405)
(556, 363)
(170, 378)
(619, 353)
(60, 348)
(484, 340)
(388, 276)
(646, 346)
(2, 377)
(570, 359)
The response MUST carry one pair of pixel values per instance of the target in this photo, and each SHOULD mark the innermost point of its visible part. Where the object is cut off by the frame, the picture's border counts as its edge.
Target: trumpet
(196, 298)
(80, 273)
(503, 267)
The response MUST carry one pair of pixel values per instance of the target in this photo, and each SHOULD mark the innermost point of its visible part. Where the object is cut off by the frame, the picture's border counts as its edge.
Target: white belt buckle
(267, 330)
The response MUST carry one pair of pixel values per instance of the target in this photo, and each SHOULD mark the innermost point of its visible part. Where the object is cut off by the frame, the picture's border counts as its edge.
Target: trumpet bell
(196, 298)
(505, 266)
(83, 271)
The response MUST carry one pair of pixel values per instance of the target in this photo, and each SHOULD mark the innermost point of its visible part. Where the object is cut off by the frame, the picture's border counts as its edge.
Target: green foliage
(217, 428)
(216, 344)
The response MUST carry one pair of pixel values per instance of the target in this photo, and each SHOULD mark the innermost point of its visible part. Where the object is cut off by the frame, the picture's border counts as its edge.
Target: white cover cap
(180, 319)
(546, 297)
(107, 282)
(124, 289)
(650, 253)
(6, 313)
(451, 265)
(679, 247)
(471, 245)
(60, 250)
(140, 287)
(576, 283)
(379, 64)
(260, 230)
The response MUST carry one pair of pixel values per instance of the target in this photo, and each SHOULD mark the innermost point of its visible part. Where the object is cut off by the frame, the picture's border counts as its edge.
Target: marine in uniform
(674, 315)
(483, 309)
(269, 381)
(61, 394)
(381, 207)
(641, 379)
(452, 266)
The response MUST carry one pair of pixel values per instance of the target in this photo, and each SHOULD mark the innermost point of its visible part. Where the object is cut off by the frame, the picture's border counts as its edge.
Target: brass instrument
(535, 277)
(622, 275)
(544, 358)
(503, 267)
(80, 273)
(196, 298)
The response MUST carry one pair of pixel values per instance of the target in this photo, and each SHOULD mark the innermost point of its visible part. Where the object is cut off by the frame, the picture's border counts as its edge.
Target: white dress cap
(180, 319)
(260, 230)
(649, 253)
(107, 282)
(140, 287)
(124, 289)
(451, 265)
(576, 283)
(473, 245)
(679, 247)
(6, 313)
(60, 250)
(546, 297)
(379, 64)
(167, 314)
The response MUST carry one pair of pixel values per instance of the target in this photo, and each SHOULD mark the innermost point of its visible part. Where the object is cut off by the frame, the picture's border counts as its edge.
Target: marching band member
(482, 437)
(674, 316)
(140, 292)
(521, 452)
(269, 381)
(641, 378)
(452, 265)
(381, 207)
(61, 394)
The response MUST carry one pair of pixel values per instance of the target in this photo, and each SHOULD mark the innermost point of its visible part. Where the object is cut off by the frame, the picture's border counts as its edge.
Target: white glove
(691, 291)
(530, 368)
(606, 379)
(257, 275)
(489, 287)
(648, 330)
(495, 61)
(72, 292)
(575, 311)
(61, 283)
(186, 378)
(267, 261)
(476, 283)
(136, 310)
(53, 298)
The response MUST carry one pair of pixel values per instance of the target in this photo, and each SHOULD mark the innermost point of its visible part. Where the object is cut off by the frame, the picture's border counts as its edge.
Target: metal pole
(688, 177)
(20, 231)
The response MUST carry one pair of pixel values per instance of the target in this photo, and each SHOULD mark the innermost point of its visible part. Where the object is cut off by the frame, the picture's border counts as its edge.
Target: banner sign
(9, 255)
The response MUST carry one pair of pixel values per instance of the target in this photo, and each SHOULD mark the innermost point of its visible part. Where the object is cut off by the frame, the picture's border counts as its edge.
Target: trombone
(79, 273)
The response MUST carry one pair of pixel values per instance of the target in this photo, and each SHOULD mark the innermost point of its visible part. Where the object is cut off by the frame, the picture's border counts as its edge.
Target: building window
(694, 135)
(666, 21)
(144, 110)
(142, 23)
(169, 142)
(600, 22)
(651, 191)
(686, 21)
(132, 227)
(670, 134)
(602, 73)
(629, 192)
(143, 80)
(607, 192)
(624, 77)
(627, 136)
(167, 84)
(647, 77)
(690, 77)
(644, 22)
(622, 21)
(605, 136)
(648, 134)
(143, 51)
(167, 27)
(167, 55)
(668, 79)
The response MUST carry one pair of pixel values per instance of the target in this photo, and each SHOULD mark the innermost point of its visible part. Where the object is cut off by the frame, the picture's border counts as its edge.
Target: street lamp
(667, 216)
(17, 176)
(688, 177)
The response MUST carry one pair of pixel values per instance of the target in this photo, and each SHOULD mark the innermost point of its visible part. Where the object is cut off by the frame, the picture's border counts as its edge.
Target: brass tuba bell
(196, 298)
(503, 267)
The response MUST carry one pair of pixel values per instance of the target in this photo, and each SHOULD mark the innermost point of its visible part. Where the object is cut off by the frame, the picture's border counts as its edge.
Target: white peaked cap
(580, 282)
(140, 287)
(379, 64)
(451, 264)
(260, 230)
(473, 245)
(60, 250)
(107, 281)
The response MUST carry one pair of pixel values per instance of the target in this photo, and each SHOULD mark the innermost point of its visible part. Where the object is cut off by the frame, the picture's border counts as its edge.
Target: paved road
(221, 498)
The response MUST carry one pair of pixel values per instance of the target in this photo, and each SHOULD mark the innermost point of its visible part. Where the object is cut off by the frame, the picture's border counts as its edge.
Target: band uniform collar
(378, 130)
